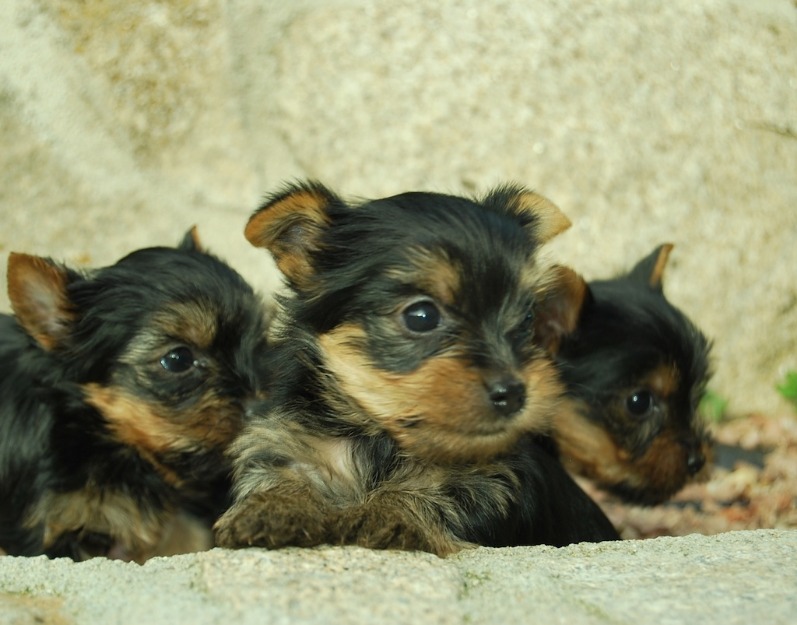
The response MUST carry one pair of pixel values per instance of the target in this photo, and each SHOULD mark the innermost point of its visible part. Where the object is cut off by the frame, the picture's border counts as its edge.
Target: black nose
(507, 395)
(695, 459)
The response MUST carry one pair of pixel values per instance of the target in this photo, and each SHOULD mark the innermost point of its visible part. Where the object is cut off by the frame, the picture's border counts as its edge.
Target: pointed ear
(191, 242)
(37, 289)
(650, 269)
(548, 219)
(290, 226)
(560, 307)
(541, 217)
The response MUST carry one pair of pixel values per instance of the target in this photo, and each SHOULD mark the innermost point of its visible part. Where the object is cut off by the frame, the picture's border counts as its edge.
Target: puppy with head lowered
(120, 389)
(406, 376)
(635, 368)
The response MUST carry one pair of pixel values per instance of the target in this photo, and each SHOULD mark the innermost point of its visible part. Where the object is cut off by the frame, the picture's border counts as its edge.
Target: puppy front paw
(272, 520)
(379, 526)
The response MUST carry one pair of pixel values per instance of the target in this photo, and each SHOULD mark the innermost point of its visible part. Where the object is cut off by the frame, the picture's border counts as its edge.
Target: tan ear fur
(657, 274)
(650, 270)
(289, 226)
(37, 291)
(559, 309)
(549, 219)
(191, 241)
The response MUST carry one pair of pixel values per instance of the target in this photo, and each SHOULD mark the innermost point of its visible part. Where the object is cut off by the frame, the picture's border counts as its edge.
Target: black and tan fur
(120, 389)
(635, 368)
(406, 379)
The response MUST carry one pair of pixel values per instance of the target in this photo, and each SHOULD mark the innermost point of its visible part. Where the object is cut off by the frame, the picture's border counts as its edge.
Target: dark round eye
(178, 360)
(421, 316)
(639, 403)
(528, 322)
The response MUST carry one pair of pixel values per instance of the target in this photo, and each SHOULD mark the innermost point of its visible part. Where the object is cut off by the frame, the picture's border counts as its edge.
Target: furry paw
(379, 526)
(272, 520)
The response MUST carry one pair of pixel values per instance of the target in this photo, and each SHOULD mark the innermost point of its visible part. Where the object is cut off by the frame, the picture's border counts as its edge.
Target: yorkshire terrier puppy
(636, 369)
(406, 375)
(120, 389)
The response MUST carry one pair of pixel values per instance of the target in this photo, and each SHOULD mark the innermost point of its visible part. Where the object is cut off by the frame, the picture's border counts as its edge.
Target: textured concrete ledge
(739, 577)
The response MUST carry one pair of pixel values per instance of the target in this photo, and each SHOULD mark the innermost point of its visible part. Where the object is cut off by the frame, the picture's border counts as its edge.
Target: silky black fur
(362, 266)
(360, 244)
(627, 328)
(52, 441)
(549, 509)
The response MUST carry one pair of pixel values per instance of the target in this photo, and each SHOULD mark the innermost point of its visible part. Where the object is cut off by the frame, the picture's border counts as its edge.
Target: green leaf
(788, 388)
(713, 406)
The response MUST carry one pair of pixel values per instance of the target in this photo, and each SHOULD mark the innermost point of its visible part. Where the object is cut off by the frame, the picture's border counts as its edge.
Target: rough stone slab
(738, 577)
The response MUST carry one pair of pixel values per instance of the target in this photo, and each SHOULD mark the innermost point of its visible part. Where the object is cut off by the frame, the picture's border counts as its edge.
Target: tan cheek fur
(663, 468)
(586, 448)
(152, 430)
(211, 423)
(440, 411)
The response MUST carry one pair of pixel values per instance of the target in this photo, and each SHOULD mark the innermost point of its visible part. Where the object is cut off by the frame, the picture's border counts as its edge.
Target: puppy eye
(527, 324)
(640, 403)
(178, 360)
(423, 316)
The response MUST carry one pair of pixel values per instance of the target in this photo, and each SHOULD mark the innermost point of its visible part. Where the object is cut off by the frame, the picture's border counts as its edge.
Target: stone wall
(123, 124)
